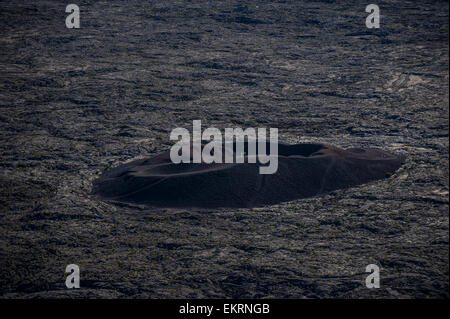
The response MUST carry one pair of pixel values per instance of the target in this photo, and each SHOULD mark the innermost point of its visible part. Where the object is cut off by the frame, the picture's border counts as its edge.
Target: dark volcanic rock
(76, 102)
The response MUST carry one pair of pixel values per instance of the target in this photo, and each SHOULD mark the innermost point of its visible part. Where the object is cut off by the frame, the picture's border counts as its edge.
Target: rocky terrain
(75, 102)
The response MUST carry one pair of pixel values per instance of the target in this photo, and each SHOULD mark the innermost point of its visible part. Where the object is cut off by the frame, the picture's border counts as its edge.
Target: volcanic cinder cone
(304, 170)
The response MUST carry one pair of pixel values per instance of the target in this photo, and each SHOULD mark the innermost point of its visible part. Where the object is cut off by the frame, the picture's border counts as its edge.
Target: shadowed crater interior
(304, 170)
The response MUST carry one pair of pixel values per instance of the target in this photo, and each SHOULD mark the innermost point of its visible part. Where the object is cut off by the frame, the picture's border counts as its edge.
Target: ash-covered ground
(75, 102)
